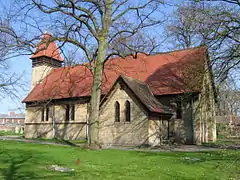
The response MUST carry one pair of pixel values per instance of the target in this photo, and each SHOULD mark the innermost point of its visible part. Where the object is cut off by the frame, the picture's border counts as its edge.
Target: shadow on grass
(231, 156)
(70, 143)
(73, 143)
(11, 171)
(221, 161)
(22, 165)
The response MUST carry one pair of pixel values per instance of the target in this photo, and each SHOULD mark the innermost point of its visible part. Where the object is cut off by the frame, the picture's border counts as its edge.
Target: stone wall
(56, 126)
(123, 133)
(67, 131)
(154, 131)
(206, 114)
(182, 127)
(142, 129)
(39, 73)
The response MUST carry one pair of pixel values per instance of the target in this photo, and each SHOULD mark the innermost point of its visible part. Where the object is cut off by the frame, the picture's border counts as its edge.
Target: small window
(127, 111)
(117, 111)
(47, 113)
(42, 117)
(72, 112)
(179, 110)
(67, 113)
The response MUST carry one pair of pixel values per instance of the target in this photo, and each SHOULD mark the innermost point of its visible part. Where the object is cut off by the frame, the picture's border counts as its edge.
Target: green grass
(228, 141)
(62, 141)
(8, 133)
(222, 142)
(22, 161)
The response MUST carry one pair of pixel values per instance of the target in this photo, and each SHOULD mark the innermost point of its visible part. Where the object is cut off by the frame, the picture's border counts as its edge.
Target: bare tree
(137, 43)
(217, 26)
(184, 28)
(229, 99)
(235, 2)
(10, 82)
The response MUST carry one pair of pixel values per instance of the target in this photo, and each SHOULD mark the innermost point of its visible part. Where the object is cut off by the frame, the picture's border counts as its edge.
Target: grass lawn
(7, 133)
(228, 141)
(222, 141)
(61, 141)
(29, 161)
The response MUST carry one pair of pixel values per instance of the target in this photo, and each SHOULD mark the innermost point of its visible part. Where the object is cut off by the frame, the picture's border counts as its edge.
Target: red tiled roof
(166, 73)
(47, 48)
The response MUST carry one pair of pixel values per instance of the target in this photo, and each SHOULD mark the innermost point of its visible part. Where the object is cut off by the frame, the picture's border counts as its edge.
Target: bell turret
(46, 57)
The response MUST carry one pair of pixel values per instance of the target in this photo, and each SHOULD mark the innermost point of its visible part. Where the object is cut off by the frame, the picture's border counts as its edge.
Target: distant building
(9, 122)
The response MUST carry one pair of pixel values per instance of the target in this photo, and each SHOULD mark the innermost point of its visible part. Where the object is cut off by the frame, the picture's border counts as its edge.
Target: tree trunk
(93, 120)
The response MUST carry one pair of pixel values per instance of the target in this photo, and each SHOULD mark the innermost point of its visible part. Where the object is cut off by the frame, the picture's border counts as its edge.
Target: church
(146, 100)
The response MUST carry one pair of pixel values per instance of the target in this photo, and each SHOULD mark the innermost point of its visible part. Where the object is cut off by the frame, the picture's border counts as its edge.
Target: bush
(223, 130)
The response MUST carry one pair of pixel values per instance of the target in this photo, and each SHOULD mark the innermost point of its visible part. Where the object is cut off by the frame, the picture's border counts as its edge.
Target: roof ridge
(179, 50)
(148, 55)
(131, 78)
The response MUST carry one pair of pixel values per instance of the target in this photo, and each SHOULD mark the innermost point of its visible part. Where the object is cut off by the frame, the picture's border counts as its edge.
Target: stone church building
(146, 100)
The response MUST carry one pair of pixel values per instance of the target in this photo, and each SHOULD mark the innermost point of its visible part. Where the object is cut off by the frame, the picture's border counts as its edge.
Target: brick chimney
(12, 114)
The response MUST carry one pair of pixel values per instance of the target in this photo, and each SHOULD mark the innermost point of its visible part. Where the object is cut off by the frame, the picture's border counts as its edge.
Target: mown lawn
(29, 161)
(7, 133)
(228, 141)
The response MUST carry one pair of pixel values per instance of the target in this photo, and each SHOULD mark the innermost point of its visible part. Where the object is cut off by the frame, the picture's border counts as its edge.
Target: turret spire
(47, 48)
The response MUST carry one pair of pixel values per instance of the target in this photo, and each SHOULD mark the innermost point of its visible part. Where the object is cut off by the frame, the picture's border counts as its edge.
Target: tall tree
(229, 103)
(91, 26)
(217, 26)
(10, 82)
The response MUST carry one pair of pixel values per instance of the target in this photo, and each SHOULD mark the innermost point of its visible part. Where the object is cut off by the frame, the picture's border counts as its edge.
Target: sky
(22, 65)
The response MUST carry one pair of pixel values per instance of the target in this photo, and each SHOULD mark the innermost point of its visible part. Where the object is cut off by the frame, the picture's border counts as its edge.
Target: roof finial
(47, 35)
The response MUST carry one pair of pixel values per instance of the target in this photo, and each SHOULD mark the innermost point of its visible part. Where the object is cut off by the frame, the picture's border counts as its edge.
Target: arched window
(70, 112)
(127, 111)
(47, 113)
(117, 111)
(42, 117)
(73, 112)
(67, 113)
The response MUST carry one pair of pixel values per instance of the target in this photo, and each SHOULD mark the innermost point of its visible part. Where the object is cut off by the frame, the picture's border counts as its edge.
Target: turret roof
(47, 48)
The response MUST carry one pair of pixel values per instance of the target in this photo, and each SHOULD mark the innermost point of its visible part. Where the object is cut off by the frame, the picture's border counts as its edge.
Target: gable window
(117, 111)
(42, 115)
(47, 113)
(70, 112)
(127, 111)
